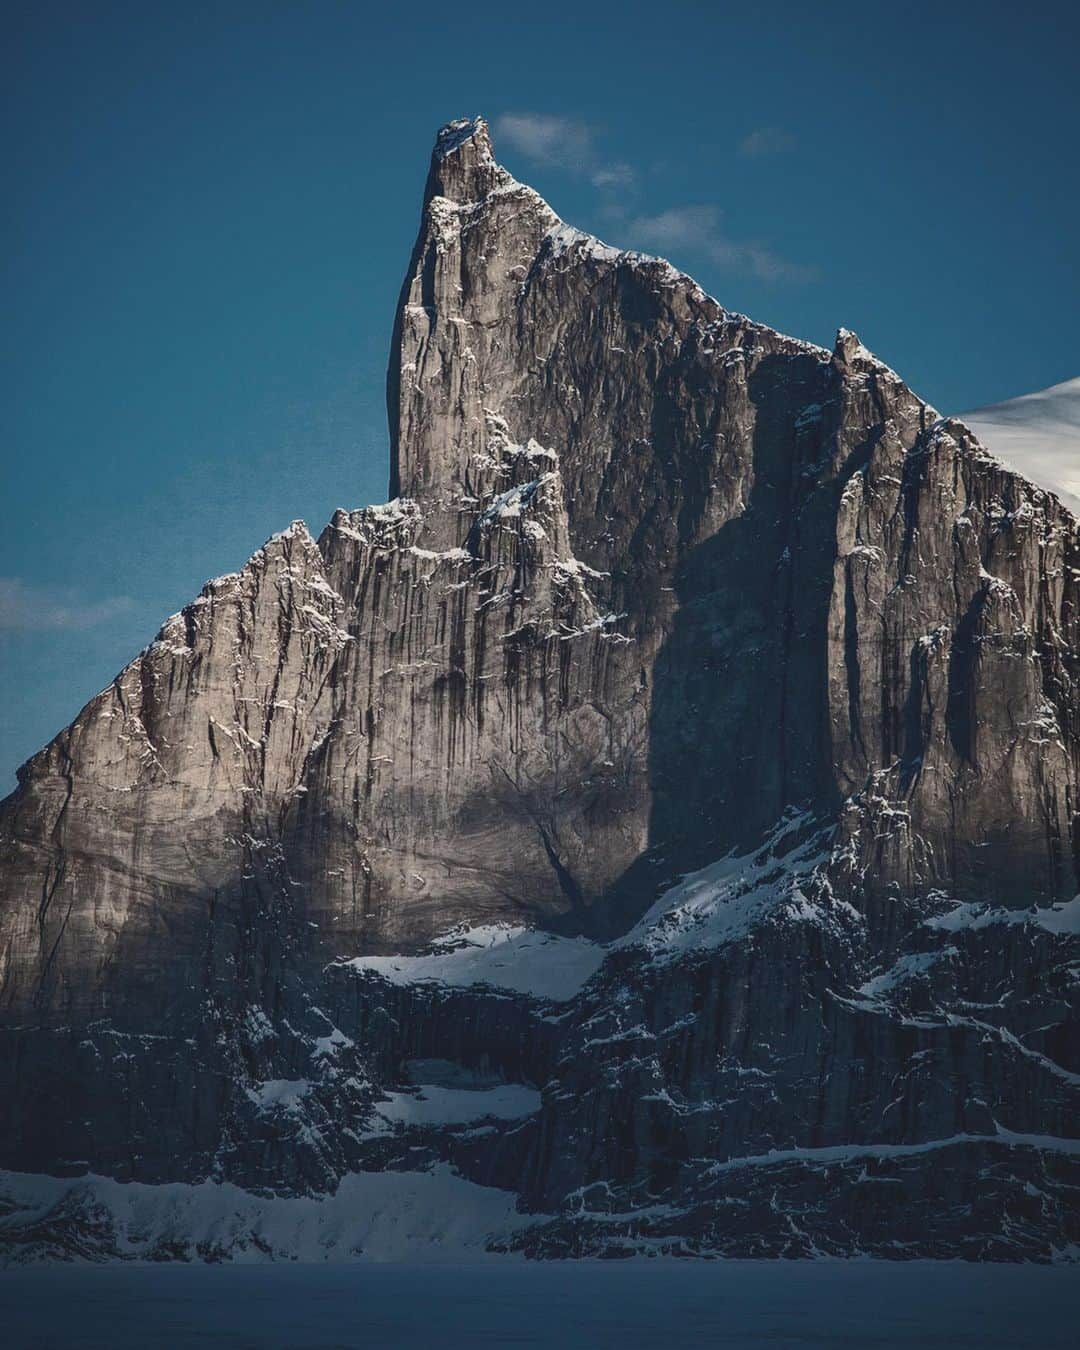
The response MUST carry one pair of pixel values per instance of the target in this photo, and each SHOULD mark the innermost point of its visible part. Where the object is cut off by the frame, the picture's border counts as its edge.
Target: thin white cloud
(699, 230)
(767, 141)
(561, 143)
(40, 608)
(613, 176)
(569, 144)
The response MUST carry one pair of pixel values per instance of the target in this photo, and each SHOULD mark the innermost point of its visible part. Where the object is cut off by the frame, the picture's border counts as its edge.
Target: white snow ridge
(1038, 435)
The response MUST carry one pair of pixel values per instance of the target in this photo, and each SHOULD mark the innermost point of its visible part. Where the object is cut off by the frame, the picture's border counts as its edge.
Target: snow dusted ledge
(501, 956)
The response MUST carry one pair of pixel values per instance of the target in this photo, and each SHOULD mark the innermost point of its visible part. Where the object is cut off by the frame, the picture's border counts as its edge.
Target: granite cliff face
(664, 809)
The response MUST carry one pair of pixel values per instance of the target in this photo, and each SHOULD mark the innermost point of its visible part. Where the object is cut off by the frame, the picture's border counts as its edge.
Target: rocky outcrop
(658, 587)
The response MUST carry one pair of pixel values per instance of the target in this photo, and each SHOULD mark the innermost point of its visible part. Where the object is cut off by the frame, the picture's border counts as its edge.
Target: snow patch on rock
(502, 956)
(431, 1216)
(430, 1106)
(1062, 918)
(724, 901)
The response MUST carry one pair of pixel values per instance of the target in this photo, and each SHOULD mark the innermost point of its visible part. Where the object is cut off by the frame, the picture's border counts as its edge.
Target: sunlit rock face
(693, 740)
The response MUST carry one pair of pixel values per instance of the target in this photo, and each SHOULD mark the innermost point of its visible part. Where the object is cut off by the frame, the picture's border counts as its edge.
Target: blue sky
(208, 209)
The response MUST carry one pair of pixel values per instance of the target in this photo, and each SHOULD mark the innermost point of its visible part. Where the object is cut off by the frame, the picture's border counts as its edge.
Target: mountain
(655, 829)
(1038, 435)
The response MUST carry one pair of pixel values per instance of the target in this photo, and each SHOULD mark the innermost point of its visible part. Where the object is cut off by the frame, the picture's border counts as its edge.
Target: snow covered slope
(423, 1217)
(1038, 435)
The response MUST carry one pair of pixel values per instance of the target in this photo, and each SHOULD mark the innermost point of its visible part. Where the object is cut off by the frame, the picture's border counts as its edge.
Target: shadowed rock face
(655, 578)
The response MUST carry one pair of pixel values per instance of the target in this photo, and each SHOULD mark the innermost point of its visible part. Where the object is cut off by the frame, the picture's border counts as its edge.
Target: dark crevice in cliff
(852, 671)
(569, 887)
(963, 664)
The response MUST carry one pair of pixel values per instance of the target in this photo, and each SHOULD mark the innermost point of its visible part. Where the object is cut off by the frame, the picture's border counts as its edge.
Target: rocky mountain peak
(480, 233)
(463, 167)
(685, 761)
